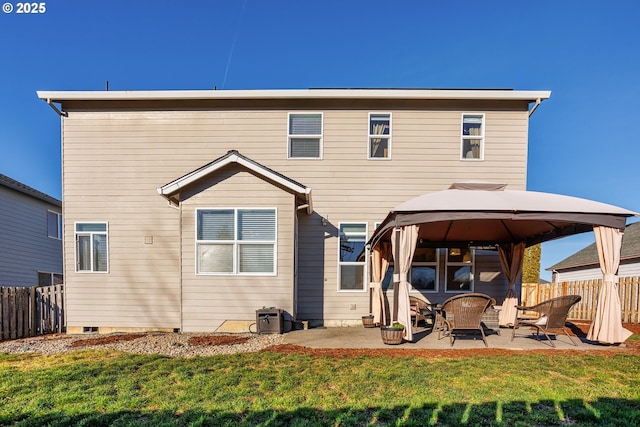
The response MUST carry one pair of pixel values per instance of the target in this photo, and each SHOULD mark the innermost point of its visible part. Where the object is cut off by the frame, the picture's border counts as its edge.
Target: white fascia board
(175, 186)
(436, 94)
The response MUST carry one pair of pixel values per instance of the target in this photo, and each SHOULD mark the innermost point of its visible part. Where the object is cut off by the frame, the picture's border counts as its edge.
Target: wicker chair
(550, 314)
(419, 309)
(463, 313)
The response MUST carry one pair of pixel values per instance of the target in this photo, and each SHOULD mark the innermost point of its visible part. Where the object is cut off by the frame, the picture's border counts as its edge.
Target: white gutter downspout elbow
(535, 106)
(56, 109)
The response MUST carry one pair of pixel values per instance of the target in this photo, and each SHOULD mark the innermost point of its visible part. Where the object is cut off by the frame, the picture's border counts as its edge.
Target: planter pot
(367, 321)
(390, 335)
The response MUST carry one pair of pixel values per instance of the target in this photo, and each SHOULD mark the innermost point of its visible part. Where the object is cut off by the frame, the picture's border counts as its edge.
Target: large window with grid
(236, 241)
(305, 136)
(379, 135)
(92, 247)
(472, 147)
(352, 267)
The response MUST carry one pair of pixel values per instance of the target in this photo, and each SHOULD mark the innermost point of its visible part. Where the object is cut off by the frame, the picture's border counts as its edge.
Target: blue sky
(585, 52)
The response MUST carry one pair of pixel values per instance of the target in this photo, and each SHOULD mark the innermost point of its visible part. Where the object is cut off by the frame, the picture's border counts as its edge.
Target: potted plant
(392, 334)
(367, 321)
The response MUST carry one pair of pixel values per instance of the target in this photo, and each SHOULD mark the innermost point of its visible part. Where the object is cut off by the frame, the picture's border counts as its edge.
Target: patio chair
(550, 314)
(463, 314)
(419, 309)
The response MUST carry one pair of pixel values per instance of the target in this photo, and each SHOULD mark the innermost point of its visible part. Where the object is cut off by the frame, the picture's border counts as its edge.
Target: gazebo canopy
(478, 214)
(481, 213)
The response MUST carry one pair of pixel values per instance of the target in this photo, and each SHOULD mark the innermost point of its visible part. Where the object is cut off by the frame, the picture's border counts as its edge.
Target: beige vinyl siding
(106, 178)
(114, 161)
(209, 300)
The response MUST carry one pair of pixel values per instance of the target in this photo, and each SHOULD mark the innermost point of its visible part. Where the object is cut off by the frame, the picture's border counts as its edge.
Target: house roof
(435, 94)
(7, 182)
(171, 190)
(589, 255)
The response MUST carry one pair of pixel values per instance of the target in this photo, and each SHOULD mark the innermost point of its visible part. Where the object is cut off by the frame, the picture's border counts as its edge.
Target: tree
(531, 265)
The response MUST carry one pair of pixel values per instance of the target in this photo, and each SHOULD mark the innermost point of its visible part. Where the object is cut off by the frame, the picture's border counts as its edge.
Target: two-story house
(190, 210)
(31, 236)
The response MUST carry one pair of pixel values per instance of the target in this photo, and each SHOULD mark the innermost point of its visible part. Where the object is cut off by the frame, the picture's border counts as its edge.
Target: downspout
(58, 111)
(535, 106)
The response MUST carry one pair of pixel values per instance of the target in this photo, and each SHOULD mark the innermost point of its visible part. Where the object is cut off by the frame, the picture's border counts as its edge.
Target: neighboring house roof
(171, 190)
(589, 255)
(7, 182)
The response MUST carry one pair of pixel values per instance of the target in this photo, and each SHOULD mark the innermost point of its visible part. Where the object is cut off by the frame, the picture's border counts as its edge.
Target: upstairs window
(91, 247)
(472, 137)
(379, 136)
(236, 241)
(305, 136)
(54, 225)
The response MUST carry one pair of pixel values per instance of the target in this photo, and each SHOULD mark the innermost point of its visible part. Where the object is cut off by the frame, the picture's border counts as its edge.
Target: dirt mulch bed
(578, 329)
(108, 339)
(202, 340)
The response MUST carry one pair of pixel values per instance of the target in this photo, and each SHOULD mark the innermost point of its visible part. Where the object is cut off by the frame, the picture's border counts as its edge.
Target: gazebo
(481, 214)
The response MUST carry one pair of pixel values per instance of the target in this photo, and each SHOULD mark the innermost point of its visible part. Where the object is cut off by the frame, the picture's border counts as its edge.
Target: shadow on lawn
(604, 411)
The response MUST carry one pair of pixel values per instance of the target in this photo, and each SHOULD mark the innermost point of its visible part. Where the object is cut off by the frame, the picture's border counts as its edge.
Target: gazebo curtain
(607, 327)
(511, 259)
(380, 263)
(403, 242)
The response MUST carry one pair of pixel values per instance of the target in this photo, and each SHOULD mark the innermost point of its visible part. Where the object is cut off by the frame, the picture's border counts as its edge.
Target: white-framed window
(460, 263)
(351, 271)
(472, 146)
(379, 136)
(424, 270)
(236, 241)
(48, 279)
(54, 225)
(304, 136)
(92, 247)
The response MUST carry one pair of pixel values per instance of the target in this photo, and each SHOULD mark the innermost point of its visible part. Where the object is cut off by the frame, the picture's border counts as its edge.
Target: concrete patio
(424, 338)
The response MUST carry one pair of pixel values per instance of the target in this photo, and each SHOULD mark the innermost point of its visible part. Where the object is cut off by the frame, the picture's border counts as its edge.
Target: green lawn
(95, 388)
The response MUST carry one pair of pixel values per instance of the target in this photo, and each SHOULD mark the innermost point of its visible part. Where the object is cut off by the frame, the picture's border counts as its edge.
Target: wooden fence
(628, 291)
(30, 311)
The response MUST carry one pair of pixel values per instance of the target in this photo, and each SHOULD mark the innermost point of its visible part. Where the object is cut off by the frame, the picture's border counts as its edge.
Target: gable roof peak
(171, 190)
